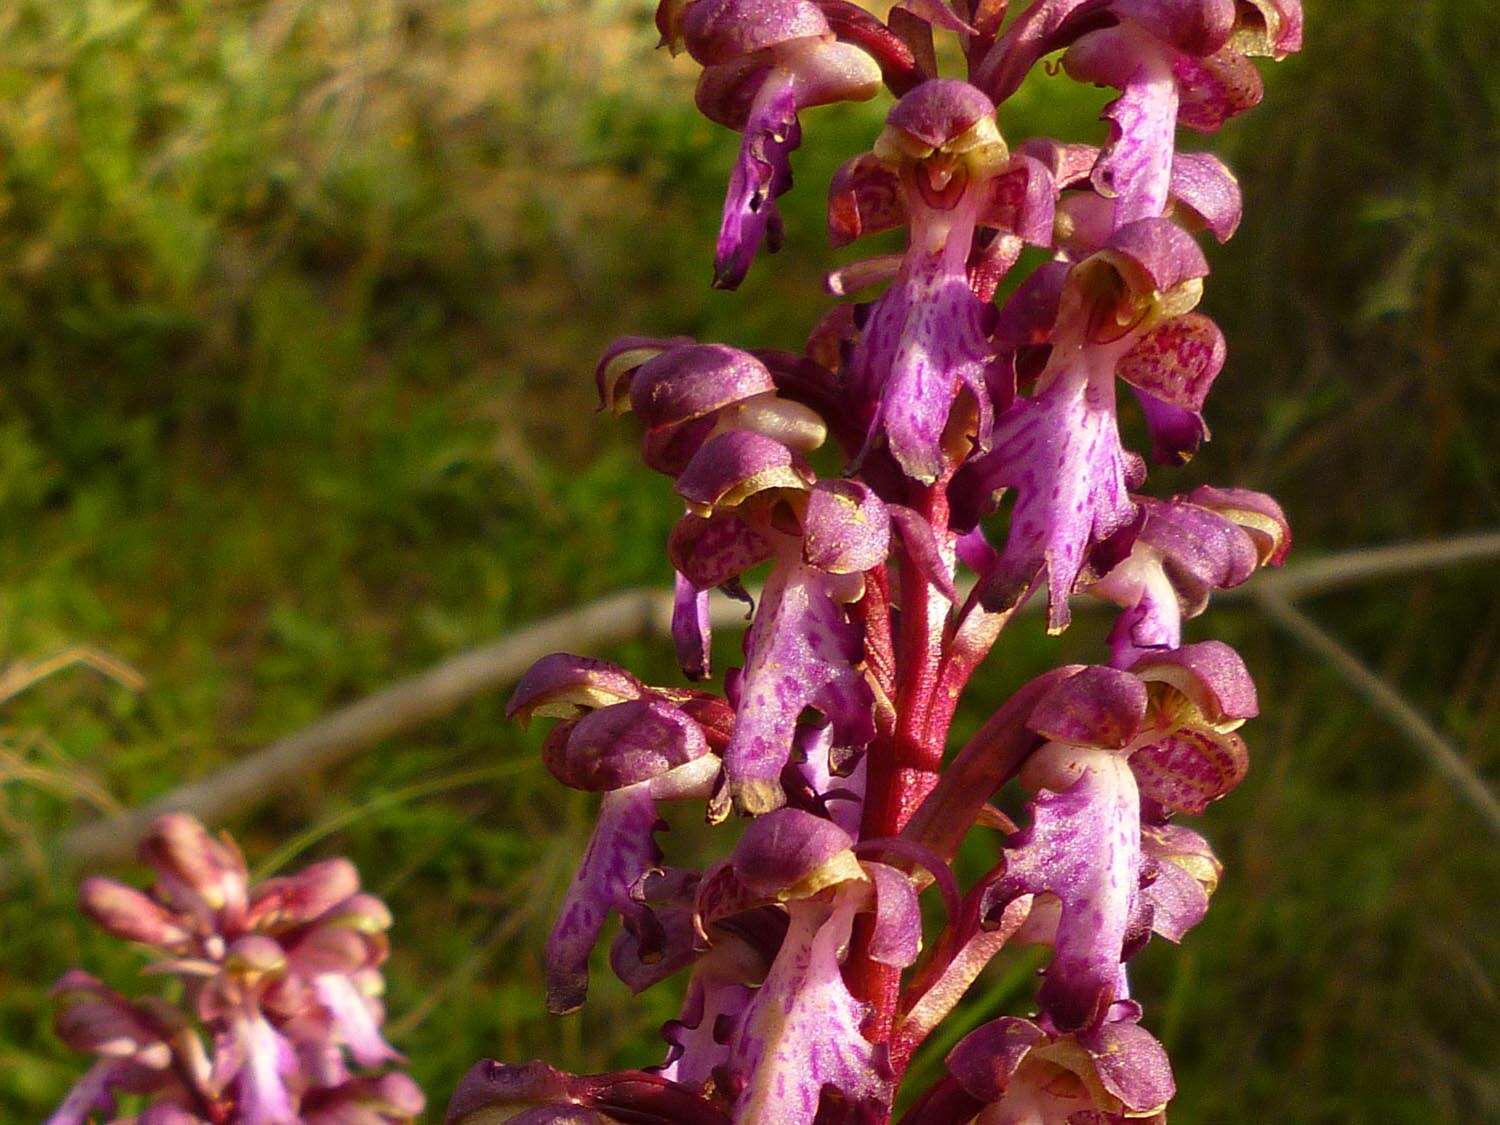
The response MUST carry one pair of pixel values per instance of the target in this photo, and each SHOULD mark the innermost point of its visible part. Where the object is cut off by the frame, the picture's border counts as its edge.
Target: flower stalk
(812, 979)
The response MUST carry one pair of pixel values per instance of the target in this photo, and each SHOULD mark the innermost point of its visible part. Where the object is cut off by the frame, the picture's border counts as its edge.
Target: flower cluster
(975, 414)
(282, 978)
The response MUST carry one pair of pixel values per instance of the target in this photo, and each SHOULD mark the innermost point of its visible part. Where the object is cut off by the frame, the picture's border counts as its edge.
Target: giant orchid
(281, 978)
(962, 418)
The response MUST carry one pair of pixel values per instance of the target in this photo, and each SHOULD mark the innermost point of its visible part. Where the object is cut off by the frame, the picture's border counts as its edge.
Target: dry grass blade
(1390, 702)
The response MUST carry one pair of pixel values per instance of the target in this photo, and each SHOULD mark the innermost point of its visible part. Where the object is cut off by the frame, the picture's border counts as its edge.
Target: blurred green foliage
(298, 302)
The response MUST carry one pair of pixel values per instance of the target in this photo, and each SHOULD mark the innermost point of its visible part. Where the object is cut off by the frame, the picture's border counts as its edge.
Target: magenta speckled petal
(1060, 450)
(493, 1091)
(699, 1038)
(1188, 769)
(1177, 361)
(1135, 168)
(1100, 707)
(802, 652)
(846, 528)
(562, 685)
(1199, 27)
(801, 1032)
(1204, 184)
(627, 743)
(760, 176)
(864, 198)
(1198, 547)
(710, 551)
(692, 629)
(1083, 845)
(1216, 88)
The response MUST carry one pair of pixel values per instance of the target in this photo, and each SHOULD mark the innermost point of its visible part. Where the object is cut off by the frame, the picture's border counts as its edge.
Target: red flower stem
(904, 764)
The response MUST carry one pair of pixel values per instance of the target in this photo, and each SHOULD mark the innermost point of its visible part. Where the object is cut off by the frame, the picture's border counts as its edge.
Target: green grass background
(298, 305)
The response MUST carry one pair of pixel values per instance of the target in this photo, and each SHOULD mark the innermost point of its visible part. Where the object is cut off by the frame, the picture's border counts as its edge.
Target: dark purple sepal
(1209, 675)
(689, 382)
(625, 744)
(1258, 514)
(622, 359)
(790, 848)
(562, 685)
(985, 1060)
(1100, 707)
(734, 465)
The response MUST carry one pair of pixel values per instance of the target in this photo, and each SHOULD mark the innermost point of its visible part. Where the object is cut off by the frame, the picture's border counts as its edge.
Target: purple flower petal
(1100, 707)
(355, 1019)
(1177, 361)
(1131, 1065)
(620, 852)
(625, 744)
(125, 912)
(925, 341)
(1216, 88)
(802, 652)
(846, 528)
(1136, 166)
(622, 359)
(563, 686)
(1259, 515)
(1083, 846)
(801, 1033)
(864, 198)
(1186, 873)
(1177, 433)
(710, 551)
(692, 629)
(1204, 184)
(686, 383)
(762, 174)
(733, 466)
(1210, 676)
(985, 1060)
(897, 936)
(1023, 199)
(265, 1063)
(1188, 769)
(790, 848)
(1060, 450)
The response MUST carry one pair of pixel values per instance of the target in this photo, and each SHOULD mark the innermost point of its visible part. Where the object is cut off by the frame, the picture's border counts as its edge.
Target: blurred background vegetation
(298, 304)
